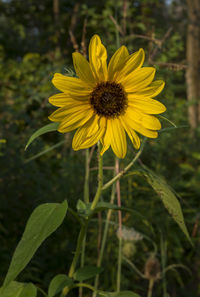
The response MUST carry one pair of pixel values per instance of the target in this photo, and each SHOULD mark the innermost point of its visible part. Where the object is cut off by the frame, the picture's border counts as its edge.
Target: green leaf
(58, 283)
(44, 220)
(48, 128)
(86, 272)
(29, 290)
(119, 294)
(168, 198)
(16, 289)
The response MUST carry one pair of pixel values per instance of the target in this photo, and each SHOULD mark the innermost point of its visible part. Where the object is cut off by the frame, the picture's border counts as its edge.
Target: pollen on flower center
(109, 99)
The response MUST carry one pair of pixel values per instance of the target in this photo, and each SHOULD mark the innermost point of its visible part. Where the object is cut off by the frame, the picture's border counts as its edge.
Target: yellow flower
(106, 102)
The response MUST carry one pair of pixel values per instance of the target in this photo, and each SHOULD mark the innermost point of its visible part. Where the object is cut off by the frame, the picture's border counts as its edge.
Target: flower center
(109, 99)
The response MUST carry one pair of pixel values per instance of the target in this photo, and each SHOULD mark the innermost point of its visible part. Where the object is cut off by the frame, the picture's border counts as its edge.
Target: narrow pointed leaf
(47, 128)
(44, 220)
(168, 198)
(59, 282)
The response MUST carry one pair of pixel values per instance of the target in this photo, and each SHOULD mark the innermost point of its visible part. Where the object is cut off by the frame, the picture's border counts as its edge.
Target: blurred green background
(37, 39)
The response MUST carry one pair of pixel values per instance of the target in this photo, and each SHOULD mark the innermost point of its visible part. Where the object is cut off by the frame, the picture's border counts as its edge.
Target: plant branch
(100, 179)
(119, 262)
(121, 173)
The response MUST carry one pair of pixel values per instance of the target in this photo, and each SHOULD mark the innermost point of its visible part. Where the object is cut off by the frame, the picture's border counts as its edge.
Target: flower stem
(87, 172)
(150, 289)
(100, 179)
(78, 248)
(120, 228)
(119, 175)
(82, 233)
(104, 238)
(82, 262)
(86, 200)
(119, 265)
(81, 237)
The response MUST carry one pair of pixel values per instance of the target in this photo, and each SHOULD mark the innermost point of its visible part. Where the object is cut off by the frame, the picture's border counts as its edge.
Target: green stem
(42, 291)
(79, 285)
(85, 286)
(119, 175)
(82, 233)
(119, 264)
(150, 289)
(100, 179)
(134, 267)
(82, 262)
(81, 237)
(105, 232)
(86, 199)
(78, 248)
(87, 171)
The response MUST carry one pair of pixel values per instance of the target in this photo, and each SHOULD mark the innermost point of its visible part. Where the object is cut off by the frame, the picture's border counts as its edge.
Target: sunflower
(105, 102)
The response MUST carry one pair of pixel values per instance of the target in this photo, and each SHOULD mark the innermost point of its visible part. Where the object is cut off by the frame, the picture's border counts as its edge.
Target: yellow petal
(64, 99)
(147, 105)
(105, 140)
(132, 135)
(152, 90)
(98, 58)
(147, 121)
(79, 96)
(117, 61)
(74, 121)
(138, 79)
(151, 122)
(83, 69)
(89, 134)
(130, 122)
(60, 99)
(72, 107)
(117, 137)
(134, 62)
(66, 84)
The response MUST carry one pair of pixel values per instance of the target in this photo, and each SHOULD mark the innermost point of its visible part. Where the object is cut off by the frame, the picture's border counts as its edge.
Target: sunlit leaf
(44, 220)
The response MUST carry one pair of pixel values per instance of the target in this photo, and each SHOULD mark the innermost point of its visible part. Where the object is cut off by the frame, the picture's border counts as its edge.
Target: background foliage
(37, 40)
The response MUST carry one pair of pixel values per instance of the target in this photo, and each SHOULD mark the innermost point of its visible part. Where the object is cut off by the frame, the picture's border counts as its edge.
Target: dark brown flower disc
(109, 99)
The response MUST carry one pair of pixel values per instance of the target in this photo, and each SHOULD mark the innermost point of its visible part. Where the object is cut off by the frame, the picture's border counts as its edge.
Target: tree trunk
(193, 62)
